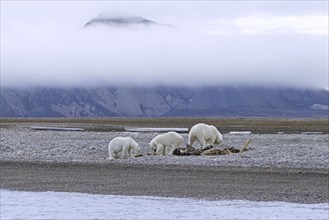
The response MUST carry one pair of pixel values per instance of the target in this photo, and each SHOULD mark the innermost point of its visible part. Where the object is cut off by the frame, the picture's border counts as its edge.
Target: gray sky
(214, 43)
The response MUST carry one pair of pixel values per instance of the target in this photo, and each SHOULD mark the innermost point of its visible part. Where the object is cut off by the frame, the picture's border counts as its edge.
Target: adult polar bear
(125, 145)
(170, 139)
(204, 134)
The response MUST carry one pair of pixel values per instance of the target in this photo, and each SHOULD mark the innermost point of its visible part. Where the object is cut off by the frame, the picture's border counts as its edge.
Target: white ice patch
(320, 107)
(62, 205)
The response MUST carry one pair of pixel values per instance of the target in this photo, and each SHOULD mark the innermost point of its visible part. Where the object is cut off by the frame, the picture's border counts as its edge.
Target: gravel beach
(279, 167)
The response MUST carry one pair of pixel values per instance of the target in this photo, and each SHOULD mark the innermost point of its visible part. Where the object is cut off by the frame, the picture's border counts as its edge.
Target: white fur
(162, 141)
(123, 144)
(204, 134)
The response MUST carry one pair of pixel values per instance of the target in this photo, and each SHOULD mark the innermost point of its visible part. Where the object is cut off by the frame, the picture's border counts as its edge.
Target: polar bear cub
(125, 145)
(170, 139)
(204, 134)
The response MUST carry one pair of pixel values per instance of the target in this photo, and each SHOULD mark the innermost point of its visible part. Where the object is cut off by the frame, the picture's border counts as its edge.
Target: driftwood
(56, 129)
(190, 151)
(210, 150)
(245, 146)
(312, 132)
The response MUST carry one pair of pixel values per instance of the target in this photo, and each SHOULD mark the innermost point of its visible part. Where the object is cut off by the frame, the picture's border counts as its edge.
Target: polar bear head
(138, 150)
(152, 148)
(219, 138)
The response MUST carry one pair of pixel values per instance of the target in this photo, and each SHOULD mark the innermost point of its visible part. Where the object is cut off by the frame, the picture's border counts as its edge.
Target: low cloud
(312, 24)
(58, 54)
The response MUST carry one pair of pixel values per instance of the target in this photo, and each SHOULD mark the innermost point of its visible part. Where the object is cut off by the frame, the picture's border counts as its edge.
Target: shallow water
(62, 205)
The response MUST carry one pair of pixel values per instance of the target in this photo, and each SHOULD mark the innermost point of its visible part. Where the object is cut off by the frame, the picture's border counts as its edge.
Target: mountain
(215, 101)
(119, 20)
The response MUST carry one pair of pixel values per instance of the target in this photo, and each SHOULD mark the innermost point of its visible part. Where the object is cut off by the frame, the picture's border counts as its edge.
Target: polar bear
(125, 145)
(170, 139)
(204, 134)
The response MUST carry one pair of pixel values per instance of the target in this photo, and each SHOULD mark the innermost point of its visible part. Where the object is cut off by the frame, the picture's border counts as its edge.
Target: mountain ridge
(164, 101)
(118, 20)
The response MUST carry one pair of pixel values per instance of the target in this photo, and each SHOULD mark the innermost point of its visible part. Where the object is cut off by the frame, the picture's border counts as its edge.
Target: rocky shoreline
(267, 150)
(279, 167)
(182, 181)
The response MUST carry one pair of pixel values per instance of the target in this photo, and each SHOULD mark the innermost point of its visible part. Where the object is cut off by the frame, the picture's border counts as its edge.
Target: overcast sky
(214, 43)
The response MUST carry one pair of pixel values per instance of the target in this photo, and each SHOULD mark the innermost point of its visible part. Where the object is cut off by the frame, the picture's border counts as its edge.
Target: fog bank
(223, 51)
